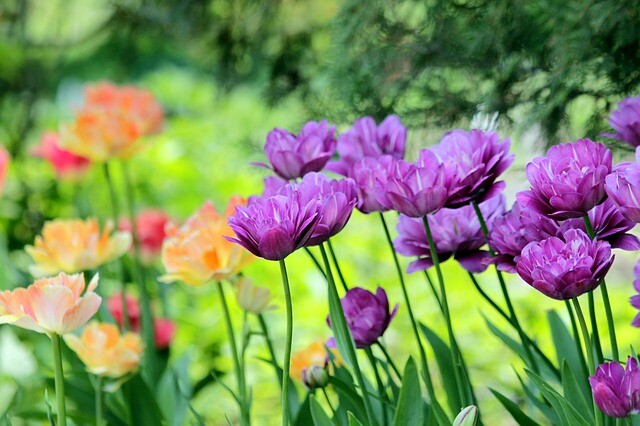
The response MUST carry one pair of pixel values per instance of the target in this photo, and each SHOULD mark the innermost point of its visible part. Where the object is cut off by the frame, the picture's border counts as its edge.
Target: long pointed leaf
(518, 415)
(410, 409)
(320, 417)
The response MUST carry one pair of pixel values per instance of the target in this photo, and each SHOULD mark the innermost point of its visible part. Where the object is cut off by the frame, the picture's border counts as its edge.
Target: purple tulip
(623, 187)
(365, 139)
(367, 315)
(609, 225)
(366, 173)
(414, 189)
(293, 156)
(616, 390)
(513, 230)
(456, 232)
(626, 122)
(635, 300)
(274, 227)
(567, 266)
(337, 199)
(569, 181)
(474, 160)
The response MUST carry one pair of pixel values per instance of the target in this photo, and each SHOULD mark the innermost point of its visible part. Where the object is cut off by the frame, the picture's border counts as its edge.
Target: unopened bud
(467, 417)
(315, 377)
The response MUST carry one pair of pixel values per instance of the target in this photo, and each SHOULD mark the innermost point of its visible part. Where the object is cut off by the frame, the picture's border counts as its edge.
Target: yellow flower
(198, 252)
(313, 355)
(51, 305)
(252, 298)
(104, 351)
(74, 246)
(111, 122)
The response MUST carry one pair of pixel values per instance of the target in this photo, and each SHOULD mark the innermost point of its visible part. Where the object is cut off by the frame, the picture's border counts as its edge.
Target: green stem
(455, 353)
(99, 403)
(433, 289)
(333, 411)
(287, 346)
(272, 353)
(505, 292)
(56, 346)
(390, 362)
(382, 394)
(315, 261)
(414, 325)
(115, 209)
(576, 337)
(234, 354)
(350, 348)
(607, 304)
(589, 348)
(338, 270)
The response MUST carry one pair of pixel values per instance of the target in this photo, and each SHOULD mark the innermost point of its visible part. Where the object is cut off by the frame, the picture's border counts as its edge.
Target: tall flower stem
(115, 213)
(414, 325)
(315, 261)
(389, 360)
(287, 345)
(455, 352)
(589, 348)
(605, 299)
(576, 336)
(338, 270)
(244, 414)
(595, 334)
(56, 346)
(340, 326)
(99, 401)
(433, 288)
(505, 293)
(272, 353)
(324, 391)
(382, 394)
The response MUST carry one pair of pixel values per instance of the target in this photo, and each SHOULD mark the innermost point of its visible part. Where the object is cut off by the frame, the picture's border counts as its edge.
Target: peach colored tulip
(198, 252)
(314, 354)
(104, 351)
(111, 122)
(53, 305)
(252, 298)
(68, 166)
(75, 245)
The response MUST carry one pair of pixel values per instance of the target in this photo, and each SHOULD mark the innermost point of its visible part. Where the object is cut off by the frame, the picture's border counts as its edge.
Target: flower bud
(315, 377)
(467, 417)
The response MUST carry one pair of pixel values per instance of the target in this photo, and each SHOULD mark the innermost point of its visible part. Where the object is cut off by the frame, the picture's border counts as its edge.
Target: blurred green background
(228, 71)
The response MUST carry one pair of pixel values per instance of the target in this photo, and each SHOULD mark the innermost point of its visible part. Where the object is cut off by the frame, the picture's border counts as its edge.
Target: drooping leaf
(320, 417)
(518, 415)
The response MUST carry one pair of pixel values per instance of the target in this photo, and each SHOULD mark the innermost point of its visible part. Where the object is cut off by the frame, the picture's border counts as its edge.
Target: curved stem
(234, 353)
(338, 270)
(315, 261)
(99, 403)
(324, 391)
(605, 300)
(455, 353)
(287, 346)
(56, 346)
(589, 348)
(272, 353)
(340, 326)
(382, 394)
(433, 288)
(389, 360)
(414, 325)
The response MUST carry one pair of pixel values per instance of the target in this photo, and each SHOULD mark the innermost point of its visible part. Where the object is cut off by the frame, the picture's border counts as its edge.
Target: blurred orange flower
(51, 305)
(313, 355)
(104, 351)
(75, 245)
(111, 122)
(198, 252)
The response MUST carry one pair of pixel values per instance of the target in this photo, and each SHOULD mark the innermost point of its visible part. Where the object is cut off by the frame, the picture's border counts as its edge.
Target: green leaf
(303, 414)
(543, 406)
(353, 421)
(574, 391)
(569, 416)
(173, 392)
(294, 398)
(350, 400)
(443, 358)
(518, 415)
(320, 418)
(143, 408)
(339, 327)
(410, 408)
(564, 343)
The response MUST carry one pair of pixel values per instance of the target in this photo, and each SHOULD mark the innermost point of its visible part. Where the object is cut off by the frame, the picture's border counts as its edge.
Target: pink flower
(150, 226)
(68, 166)
(4, 165)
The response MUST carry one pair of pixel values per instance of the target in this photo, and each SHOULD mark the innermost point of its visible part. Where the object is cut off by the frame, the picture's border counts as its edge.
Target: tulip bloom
(4, 165)
(623, 187)
(635, 300)
(198, 251)
(565, 267)
(150, 225)
(105, 352)
(367, 173)
(474, 160)
(366, 140)
(111, 122)
(616, 390)
(456, 232)
(252, 298)
(626, 121)
(294, 156)
(67, 165)
(367, 315)
(75, 245)
(53, 305)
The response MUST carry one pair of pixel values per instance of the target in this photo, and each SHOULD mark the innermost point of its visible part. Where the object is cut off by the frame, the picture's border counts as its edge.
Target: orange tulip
(313, 355)
(111, 122)
(51, 305)
(75, 245)
(198, 252)
(104, 351)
